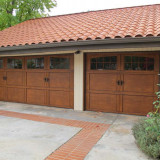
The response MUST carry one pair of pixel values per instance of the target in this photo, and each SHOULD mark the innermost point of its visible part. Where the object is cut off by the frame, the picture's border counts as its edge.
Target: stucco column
(79, 81)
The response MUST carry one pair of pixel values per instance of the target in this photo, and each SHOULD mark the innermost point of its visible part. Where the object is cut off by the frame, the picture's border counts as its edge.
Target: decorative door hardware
(4, 78)
(46, 79)
(120, 82)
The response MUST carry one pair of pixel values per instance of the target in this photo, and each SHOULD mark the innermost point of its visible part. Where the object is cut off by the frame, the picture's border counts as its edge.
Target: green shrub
(147, 135)
(147, 131)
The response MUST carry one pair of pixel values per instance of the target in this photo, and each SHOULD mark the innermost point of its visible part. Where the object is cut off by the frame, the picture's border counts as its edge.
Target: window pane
(142, 66)
(14, 63)
(104, 63)
(100, 59)
(114, 59)
(18, 63)
(93, 66)
(142, 59)
(59, 63)
(107, 59)
(35, 63)
(1, 63)
(113, 66)
(134, 59)
(10, 63)
(93, 60)
(151, 60)
(138, 63)
(128, 66)
(106, 66)
(135, 66)
(150, 66)
(99, 65)
(128, 58)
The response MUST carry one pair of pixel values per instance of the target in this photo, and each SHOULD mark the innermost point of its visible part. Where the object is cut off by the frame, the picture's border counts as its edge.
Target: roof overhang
(119, 43)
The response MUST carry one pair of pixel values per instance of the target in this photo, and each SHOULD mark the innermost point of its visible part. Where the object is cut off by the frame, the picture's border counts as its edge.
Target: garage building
(105, 61)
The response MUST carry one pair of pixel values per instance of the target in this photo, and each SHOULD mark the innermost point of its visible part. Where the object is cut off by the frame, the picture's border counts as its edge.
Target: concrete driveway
(31, 132)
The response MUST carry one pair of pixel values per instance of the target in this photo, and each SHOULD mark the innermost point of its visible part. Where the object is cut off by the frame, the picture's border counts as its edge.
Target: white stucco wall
(79, 81)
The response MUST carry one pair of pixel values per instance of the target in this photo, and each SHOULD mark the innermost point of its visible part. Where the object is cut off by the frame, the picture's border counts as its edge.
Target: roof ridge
(94, 11)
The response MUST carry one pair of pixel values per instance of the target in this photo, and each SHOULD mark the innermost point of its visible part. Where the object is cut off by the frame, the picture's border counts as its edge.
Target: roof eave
(86, 42)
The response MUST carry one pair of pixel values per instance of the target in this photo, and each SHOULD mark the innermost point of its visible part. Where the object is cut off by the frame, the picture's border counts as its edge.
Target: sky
(75, 6)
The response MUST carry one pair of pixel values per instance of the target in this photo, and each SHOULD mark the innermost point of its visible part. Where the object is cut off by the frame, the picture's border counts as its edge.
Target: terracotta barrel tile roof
(142, 21)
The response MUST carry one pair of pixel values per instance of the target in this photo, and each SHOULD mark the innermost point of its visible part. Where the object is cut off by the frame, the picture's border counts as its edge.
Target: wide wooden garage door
(121, 83)
(43, 80)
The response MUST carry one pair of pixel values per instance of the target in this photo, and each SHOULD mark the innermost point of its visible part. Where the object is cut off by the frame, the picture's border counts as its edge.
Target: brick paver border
(79, 145)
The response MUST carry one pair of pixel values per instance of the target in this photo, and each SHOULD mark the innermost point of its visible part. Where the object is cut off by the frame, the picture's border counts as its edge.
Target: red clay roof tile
(142, 21)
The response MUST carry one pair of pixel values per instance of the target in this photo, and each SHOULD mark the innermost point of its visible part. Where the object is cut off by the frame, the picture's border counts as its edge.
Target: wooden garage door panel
(35, 79)
(103, 102)
(15, 78)
(59, 99)
(2, 74)
(59, 80)
(103, 82)
(22, 81)
(16, 94)
(2, 93)
(139, 83)
(137, 104)
(36, 96)
(131, 83)
(71, 99)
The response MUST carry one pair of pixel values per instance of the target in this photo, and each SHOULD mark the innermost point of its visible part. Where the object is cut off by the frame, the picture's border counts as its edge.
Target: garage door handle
(45, 79)
(122, 82)
(4, 78)
(118, 82)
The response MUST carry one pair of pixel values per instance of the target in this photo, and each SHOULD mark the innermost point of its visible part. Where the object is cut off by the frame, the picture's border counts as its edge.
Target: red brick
(79, 145)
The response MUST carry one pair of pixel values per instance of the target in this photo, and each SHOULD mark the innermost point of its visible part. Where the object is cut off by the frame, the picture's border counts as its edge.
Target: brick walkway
(79, 145)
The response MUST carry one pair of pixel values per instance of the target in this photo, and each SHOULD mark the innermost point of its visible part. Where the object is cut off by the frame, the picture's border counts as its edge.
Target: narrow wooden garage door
(60, 78)
(13, 79)
(121, 83)
(43, 80)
